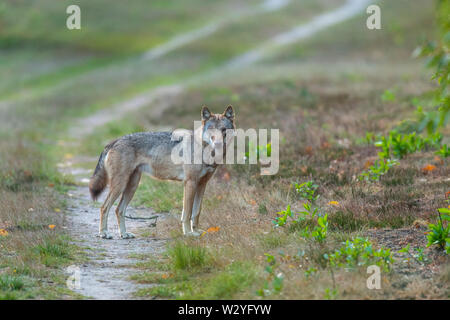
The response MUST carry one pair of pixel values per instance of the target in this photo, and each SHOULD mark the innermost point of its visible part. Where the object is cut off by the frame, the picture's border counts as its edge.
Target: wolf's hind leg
(113, 194)
(127, 195)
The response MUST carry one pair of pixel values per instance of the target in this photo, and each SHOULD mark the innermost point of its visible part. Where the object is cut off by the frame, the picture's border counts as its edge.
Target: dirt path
(105, 275)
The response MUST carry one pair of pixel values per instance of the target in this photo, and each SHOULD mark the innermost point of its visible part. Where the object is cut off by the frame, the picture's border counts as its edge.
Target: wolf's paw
(127, 235)
(193, 234)
(199, 231)
(105, 235)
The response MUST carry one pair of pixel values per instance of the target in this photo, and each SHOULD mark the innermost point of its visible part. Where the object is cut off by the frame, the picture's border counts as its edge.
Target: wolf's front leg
(188, 201)
(197, 207)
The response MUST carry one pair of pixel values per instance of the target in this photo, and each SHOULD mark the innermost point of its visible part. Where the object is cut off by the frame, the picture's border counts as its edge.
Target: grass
(225, 284)
(186, 261)
(34, 271)
(184, 257)
(11, 283)
(54, 252)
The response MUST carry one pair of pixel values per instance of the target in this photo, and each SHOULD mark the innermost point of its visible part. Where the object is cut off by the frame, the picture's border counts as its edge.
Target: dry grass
(30, 249)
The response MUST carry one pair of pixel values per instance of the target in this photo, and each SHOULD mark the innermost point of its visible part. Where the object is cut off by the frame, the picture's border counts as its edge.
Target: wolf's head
(217, 127)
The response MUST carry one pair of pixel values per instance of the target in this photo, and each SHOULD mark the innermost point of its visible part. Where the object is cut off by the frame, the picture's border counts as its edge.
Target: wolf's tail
(99, 179)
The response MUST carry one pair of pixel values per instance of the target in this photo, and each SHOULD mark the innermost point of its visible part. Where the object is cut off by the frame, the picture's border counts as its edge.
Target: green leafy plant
(320, 231)
(309, 217)
(274, 282)
(398, 145)
(318, 222)
(388, 95)
(330, 294)
(385, 145)
(438, 234)
(377, 170)
(283, 216)
(437, 54)
(310, 271)
(307, 190)
(309, 212)
(360, 252)
(419, 253)
(370, 136)
(444, 151)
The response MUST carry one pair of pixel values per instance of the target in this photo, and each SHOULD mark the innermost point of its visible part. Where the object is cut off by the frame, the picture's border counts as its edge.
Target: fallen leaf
(213, 229)
(325, 145)
(428, 168)
(226, 176)
(334, 203)
(57, 210)
(3, 232)
(52, 226)
(368, 164)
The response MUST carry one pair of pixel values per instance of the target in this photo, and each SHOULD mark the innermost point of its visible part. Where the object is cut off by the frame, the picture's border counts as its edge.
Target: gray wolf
(124, 160)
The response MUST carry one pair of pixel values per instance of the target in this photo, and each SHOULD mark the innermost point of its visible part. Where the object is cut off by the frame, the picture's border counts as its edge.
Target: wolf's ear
(229, 113)
(206, 114)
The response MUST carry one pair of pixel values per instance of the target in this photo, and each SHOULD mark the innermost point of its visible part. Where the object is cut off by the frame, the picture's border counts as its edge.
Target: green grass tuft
(186, 257)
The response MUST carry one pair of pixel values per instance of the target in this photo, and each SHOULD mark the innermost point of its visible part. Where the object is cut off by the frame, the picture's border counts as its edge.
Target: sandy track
(105, 275)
